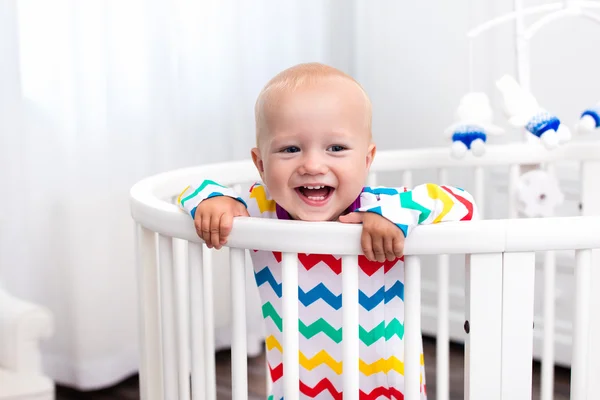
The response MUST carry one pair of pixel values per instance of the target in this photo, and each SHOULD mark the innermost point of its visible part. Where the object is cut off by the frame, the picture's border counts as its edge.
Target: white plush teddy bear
(473, 124)
(538, 194)
(524, 111)
(589, 120)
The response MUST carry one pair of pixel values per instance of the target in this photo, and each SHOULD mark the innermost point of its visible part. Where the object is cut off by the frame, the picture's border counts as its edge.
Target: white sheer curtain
(97, 94)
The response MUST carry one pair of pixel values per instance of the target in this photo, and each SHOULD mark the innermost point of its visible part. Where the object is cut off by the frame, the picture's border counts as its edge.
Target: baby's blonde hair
(298, 76)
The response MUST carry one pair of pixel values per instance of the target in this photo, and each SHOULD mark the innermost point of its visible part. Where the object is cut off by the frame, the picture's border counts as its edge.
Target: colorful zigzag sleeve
(425, 204)
(192, 196)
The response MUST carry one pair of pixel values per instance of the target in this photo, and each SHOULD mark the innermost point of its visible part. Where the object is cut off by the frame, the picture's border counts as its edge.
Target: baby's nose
(313, 165)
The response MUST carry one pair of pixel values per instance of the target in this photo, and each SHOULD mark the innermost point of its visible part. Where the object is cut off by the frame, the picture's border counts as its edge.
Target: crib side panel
(590, 202)
(150, 374)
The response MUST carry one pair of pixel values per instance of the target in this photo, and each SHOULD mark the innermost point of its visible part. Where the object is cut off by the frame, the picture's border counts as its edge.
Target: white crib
(175, 296)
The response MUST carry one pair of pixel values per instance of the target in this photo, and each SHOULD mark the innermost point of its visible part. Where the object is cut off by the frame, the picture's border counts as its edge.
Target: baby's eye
(291, 149)
(336, 148)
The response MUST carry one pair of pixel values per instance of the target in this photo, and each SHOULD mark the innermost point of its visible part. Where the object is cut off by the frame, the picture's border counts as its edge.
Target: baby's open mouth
(315, 193)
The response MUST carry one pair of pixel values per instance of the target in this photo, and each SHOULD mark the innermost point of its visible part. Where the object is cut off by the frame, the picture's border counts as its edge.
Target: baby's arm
(425, 204)
(389, 214)
(213, 207)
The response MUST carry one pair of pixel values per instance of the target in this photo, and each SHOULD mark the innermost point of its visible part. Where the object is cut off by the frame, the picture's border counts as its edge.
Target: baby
(313, 152)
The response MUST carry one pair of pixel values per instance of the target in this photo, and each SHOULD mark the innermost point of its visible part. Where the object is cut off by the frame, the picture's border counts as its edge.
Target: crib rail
(175, 296)
(500, 304)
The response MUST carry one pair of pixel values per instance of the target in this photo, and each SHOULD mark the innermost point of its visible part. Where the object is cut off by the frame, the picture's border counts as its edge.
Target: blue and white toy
(589, 120)
(474, 123)
(524, 111)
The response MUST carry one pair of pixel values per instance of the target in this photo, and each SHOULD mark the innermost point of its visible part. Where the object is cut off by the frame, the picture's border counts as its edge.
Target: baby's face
(316, 152)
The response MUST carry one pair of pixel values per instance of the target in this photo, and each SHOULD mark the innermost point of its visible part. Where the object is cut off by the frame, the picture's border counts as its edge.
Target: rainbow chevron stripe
(381, 293)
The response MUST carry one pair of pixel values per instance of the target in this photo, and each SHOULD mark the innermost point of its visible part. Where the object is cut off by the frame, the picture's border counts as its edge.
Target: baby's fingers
(215, 239)
(202, 224)
(367, 246)
(378, 248)
(225, 226)
(388, 247)
(398, 246)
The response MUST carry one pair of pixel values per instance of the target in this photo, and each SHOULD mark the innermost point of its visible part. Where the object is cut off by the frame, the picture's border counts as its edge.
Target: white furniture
(22, 325)
(497, 289)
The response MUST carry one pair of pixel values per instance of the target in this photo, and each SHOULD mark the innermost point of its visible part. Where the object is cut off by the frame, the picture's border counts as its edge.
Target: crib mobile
(538, 192)
(474, 115)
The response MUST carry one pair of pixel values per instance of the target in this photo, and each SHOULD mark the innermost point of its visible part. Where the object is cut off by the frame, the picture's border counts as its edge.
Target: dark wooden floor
(128, 389)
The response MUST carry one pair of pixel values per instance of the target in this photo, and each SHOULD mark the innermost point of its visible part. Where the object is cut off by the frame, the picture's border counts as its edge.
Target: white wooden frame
(498, 346)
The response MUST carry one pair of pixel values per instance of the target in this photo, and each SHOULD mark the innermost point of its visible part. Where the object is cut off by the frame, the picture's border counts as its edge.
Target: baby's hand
(214, 219)
(380, 239)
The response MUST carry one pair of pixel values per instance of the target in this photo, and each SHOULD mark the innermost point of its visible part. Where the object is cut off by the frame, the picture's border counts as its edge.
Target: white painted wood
(350, 330)
(290, 326)
(407, 180)
(526, 235)
(479, 193)
(209, 324)
(518, 280)
(593, 353)
(197, 322)
(412, 328)
(182, 328)
(581, 325)
(167, 316)
(151, 386)
(483, 345)
(513, 180)
(443, 334)
(590, 200)
(149, 208)
(549, 317)
(443, 317)
(239, 367)
(372, 179)
(547, 375)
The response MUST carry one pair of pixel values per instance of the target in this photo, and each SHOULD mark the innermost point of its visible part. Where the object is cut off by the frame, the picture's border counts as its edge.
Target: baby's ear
(371, 154)
(258, 162)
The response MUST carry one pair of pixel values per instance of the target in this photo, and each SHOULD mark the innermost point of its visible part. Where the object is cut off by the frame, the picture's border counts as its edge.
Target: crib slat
(443, 317)
(182, 312)
(167, 299)
(197, 329)
(412, 328)
(480, 189)
(209, 325)
(443, 334)
(518, 280)
(581, 324)
(150, 374)
(407, 179)
(483, 344)
(513, 179)
(372, 179)
(239, 368)
(290, 325)
(547, 375)
(547, 378)
(350, 330)
(590, 202)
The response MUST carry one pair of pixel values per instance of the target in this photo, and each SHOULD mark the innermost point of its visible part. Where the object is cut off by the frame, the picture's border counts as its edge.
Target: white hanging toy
(524, 111)
(589, 120)
(538, 194)
(474, 123)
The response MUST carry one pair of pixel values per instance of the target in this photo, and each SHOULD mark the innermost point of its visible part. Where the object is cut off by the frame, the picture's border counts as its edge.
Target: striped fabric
(381, 292)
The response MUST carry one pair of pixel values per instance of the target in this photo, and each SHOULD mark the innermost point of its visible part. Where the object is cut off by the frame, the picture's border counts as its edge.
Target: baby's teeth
(316, 197)
(314, 187)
